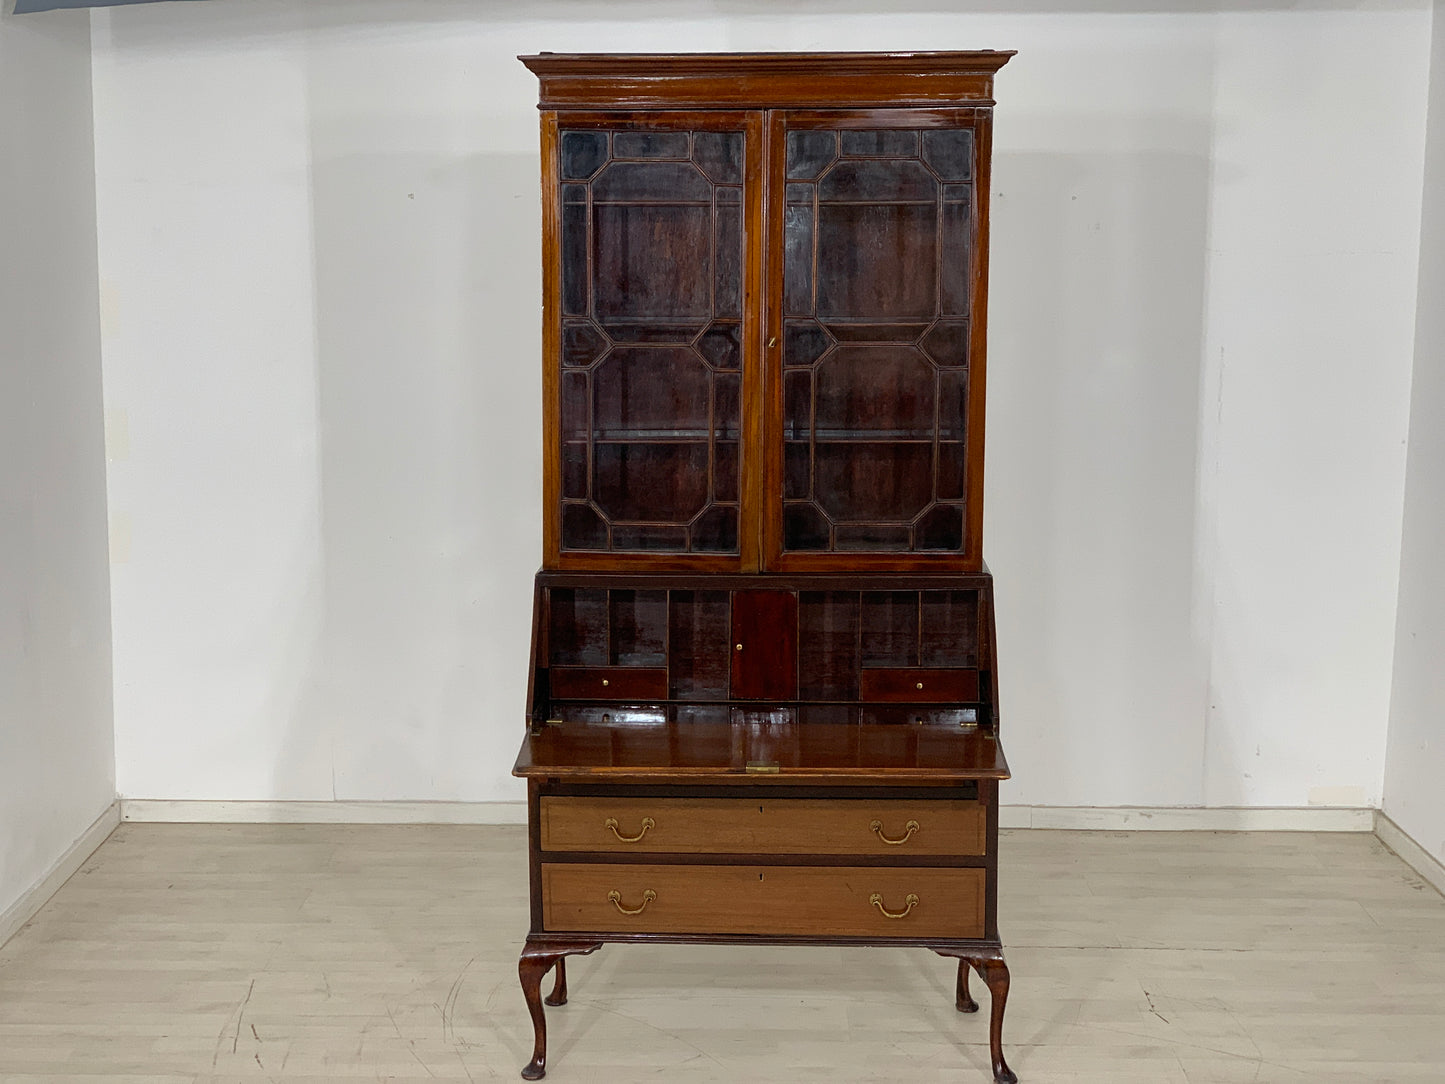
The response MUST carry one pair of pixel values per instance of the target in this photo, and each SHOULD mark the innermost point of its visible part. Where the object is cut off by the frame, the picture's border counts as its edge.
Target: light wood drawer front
(763, 826)
(819, 900)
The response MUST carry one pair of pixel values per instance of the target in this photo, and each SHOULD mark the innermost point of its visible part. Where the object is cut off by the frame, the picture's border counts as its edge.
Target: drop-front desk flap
(762, 744)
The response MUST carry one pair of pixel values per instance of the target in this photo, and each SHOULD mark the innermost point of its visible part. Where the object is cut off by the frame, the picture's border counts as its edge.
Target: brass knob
(737, 647)
(918, 686)
(604, 682)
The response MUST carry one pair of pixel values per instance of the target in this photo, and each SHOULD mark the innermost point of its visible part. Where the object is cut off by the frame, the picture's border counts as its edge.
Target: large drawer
(822, 901)
(762, 825)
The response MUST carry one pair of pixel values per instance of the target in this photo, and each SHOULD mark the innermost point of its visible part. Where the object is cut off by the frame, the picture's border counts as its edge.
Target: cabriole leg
(558, 996)
(539, 957)
(963, 1000)
(995, 973)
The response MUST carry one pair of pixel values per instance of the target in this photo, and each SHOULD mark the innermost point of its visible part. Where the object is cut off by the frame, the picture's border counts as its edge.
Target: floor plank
(216, 953)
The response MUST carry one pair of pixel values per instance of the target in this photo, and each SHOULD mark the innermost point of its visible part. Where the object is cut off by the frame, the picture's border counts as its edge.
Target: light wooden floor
(219, 953)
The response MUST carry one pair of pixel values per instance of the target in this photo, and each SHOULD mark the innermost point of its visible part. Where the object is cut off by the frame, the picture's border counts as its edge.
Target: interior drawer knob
(908, 829)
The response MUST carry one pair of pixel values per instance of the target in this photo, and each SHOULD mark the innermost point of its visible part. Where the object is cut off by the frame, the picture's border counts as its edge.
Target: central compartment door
(765, 645)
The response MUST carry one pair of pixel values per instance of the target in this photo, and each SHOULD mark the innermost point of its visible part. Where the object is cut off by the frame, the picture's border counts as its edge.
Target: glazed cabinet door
(877, 223)
(651, 351)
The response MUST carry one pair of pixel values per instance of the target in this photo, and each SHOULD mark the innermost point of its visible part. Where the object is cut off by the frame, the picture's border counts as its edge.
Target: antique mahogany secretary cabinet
(763, 699)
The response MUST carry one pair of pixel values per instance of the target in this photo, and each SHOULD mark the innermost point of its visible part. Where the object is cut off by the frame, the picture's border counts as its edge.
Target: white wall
(319, 236)
(56, 754)
(1415, 772)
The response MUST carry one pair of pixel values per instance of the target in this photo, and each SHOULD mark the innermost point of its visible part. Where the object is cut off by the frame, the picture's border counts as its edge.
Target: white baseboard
(1134, 819)
(1408, 851)
(25, 908)
(162, 810)
(1188, 819)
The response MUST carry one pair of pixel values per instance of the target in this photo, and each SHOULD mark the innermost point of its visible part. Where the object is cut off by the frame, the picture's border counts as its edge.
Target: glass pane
(878, 182)
(582, 154)
(651, 393)
(872, 392)
(650, 482)
(900, 277)
(652, 250)
(805, 528)
(877, 279)
(885, 143)
(947, 343)
(719, 155)
(574, 470)
(797, 470)
(582, 343)
(809, 153)
(727, 410)
(647, 536)
(797, 404)
(582, 528)
(941, 528)
(798, 260)
(728, 298)
(804, 342)
(871, 536)
(651, 260)
(722, 345)
(950, 153)
(716, 530)
(574, 259)
(725, 471)
(575, 413)
(650, 145)
(868, 482)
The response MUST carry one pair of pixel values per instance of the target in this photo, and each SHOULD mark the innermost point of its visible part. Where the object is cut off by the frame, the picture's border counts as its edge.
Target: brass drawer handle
(908, 830)
(910, 901)
(647, 897)
(647, 822)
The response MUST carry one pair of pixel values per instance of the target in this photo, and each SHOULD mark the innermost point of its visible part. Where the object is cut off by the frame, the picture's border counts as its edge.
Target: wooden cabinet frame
(763, 676)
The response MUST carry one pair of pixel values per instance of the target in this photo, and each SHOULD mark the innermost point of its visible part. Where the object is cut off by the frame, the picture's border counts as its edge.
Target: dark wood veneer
(763, 610)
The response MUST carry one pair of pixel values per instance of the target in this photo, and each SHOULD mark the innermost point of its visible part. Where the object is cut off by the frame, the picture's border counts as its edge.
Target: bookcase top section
(762, 80)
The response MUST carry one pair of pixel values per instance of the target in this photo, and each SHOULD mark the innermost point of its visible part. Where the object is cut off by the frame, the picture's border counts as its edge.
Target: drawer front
(762, 826)
(823, 901)
(919, 686)
(608, 683)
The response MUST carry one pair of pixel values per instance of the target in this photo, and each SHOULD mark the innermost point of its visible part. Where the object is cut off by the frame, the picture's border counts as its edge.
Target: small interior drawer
(919, 686)
(878, 901)
(608, 683)
(762, 826)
